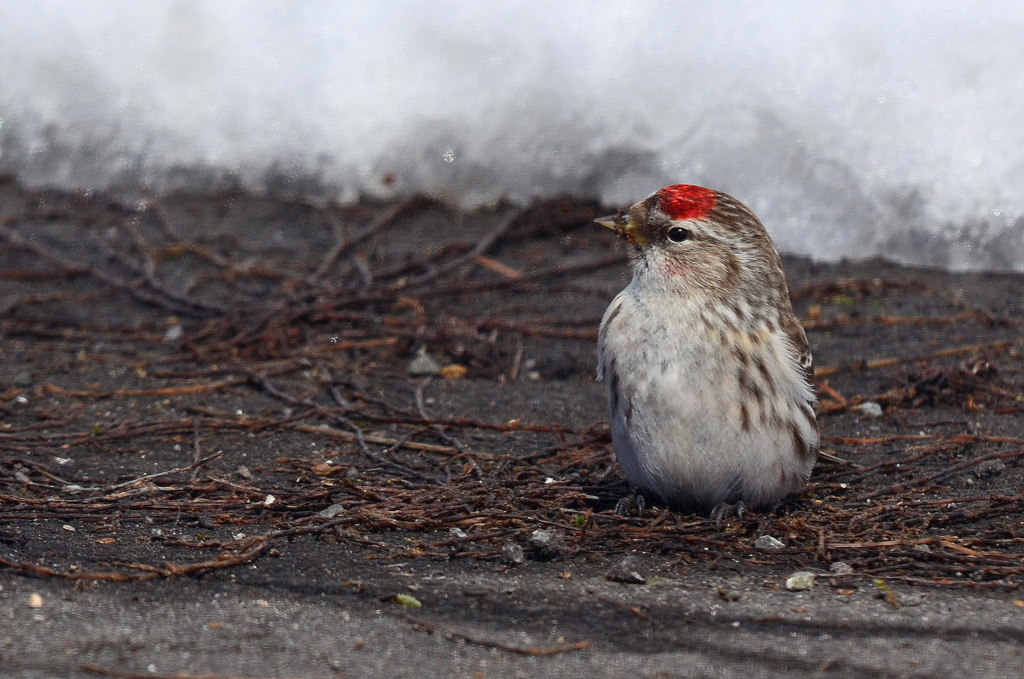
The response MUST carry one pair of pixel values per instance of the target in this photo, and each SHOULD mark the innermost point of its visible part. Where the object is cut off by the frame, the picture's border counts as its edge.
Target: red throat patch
(682, 201)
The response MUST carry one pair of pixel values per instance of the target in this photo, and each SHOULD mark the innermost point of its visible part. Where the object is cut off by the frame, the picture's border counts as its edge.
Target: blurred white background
(851, 128)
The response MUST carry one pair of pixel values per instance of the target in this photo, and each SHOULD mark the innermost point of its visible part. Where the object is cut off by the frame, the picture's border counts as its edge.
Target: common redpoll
(708, 370)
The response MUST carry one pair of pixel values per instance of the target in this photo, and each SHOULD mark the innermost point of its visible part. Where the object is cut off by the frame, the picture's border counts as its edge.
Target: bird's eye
(678, 234)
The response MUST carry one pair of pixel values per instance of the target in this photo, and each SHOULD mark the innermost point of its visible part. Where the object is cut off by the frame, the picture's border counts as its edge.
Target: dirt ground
(251, 437)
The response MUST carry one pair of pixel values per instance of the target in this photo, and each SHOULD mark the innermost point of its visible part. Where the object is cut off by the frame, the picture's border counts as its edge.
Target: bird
(708, 371)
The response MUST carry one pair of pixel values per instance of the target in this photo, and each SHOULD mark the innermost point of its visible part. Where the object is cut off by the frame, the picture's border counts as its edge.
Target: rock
(768, 542)
(800, 581)
(989, 468)
(547, 545)
(512, 553)
(869, 409)
(423, 365)
(840, 568)
(628, 572)
(331, 511)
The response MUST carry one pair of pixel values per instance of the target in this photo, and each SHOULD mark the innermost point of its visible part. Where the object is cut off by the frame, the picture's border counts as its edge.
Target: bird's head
(695, 239)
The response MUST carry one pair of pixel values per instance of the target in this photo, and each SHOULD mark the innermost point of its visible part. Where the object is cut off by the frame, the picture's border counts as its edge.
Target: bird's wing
(798, 339)
(610, 313)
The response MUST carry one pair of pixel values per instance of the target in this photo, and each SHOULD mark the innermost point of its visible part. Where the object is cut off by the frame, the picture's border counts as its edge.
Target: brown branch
(938, 476)
(485, 244)
(382, 221)
(157, 297)
(845, 321)
(160, 391)
(826, 370)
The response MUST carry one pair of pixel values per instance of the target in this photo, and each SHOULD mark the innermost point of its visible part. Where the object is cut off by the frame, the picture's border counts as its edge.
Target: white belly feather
(685, 427)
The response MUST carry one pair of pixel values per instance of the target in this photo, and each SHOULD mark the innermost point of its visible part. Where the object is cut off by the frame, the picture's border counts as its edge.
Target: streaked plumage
(708, 370)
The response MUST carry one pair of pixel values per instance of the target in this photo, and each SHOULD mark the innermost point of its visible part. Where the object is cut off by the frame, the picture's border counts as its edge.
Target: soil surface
(251, 437)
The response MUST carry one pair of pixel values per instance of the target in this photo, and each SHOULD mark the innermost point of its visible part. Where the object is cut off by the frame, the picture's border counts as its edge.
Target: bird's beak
(623, 226)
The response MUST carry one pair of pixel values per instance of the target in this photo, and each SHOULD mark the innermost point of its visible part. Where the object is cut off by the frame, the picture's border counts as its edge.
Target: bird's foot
(723, 509)
(633, 502)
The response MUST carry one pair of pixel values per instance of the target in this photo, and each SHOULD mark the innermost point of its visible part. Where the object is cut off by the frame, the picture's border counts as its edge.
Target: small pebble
(547, 545)
(768, 542)
(331, 511)
(869, 409)
(840, 568)
(989, 468)
(799, 581)
(628, 572)
(512, 553)
(35, 600)
(457, 532)
(423, 365)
